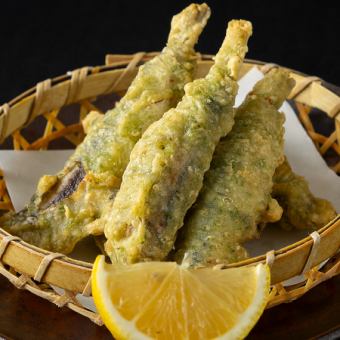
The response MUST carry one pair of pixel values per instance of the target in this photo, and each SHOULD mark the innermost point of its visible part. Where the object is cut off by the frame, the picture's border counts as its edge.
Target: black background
(40, 40)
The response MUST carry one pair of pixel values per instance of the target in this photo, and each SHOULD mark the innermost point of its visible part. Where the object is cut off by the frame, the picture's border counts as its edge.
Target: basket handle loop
(44, 264)
(40, 94)
(270, 258)
(5, 243)
(78, 77)
(316, 242)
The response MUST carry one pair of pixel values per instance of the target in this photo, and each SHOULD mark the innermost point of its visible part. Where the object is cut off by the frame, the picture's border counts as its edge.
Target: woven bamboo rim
(34, 269)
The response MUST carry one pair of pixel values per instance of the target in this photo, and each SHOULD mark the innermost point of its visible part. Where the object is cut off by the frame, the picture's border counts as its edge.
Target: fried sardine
(67, 207)
(301, 209)
(236, 193)
(166, 168)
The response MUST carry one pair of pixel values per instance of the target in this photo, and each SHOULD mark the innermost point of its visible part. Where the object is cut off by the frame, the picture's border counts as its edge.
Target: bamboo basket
(36, 270)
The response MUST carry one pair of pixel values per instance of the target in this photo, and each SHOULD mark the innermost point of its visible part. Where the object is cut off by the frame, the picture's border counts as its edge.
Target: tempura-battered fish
(67, 207)
(236, 191)
(167, 165)
(301, 209)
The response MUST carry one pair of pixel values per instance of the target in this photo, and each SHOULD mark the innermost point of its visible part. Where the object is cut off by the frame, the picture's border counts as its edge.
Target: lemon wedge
(162, 300)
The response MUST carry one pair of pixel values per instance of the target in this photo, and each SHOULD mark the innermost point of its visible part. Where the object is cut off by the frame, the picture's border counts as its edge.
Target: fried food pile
(173, 171)
(67, 207)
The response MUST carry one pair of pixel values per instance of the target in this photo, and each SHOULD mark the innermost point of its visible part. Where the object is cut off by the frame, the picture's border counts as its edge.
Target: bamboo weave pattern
(54, 128)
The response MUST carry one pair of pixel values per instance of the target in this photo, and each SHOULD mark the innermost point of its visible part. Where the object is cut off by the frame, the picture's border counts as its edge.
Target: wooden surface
(25, 316)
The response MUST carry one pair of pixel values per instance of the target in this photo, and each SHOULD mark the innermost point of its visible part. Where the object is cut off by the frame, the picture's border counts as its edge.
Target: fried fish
(301, 209)
(166, 168)
(67, 207)
(235, 196)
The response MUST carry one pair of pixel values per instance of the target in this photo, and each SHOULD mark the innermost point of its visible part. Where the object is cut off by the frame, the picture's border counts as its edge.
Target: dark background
(40, 40)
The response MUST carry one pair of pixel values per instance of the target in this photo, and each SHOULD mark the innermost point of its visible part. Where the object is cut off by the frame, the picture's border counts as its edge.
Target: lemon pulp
(162, 300)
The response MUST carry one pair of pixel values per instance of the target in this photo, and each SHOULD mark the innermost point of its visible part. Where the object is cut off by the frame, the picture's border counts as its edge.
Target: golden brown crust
(167, 165)
(302, 210)
(236, 192)
(85, 188)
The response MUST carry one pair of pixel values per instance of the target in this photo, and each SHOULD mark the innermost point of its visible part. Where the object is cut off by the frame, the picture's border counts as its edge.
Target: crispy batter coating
(302, 210)
(67, 207)
(236, 193)
(167, 165)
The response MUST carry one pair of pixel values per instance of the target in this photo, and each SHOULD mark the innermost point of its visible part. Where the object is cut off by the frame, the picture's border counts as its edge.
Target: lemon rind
(111, 317)
(255, 310)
